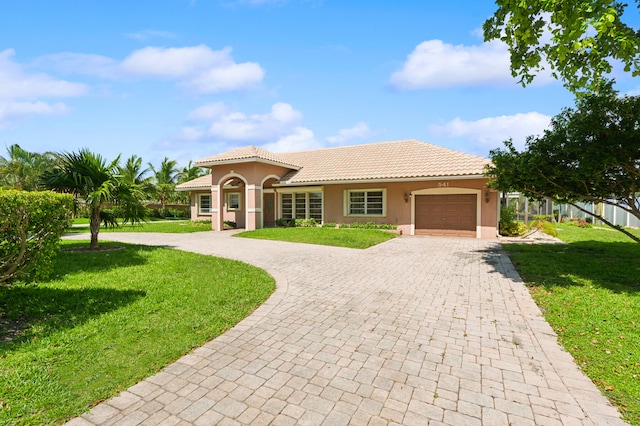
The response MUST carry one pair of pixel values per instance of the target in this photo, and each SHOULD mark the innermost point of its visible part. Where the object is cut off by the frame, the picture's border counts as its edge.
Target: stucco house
(420, 187)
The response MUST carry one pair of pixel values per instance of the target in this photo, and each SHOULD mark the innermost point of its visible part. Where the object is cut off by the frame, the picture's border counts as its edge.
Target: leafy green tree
(578, 39)
(22, 169)
(589, 154)
(164, 181)
(88, 176)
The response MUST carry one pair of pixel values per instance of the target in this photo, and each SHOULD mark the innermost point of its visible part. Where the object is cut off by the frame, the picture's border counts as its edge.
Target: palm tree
(164, 181)
(23, 169)
(90, 177)
(190, 172)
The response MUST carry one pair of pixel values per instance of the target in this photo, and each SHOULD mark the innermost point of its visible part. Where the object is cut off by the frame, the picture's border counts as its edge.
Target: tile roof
(202, 182)
(246, 154)
(405, 159)
(383, 160)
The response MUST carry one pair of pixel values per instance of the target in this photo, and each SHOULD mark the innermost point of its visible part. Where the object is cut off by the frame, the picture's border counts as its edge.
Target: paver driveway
(415, 331)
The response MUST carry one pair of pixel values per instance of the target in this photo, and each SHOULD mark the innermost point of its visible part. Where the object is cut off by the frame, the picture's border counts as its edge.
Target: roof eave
(377, 180)
(204, 163)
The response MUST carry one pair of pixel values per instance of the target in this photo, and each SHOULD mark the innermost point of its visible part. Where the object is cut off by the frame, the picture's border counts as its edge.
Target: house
(420, 187)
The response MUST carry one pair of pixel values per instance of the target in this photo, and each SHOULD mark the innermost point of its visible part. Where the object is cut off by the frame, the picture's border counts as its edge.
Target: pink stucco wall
(398, 210)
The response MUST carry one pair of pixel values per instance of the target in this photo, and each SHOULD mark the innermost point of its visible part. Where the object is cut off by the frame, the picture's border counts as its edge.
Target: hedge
(31, 226)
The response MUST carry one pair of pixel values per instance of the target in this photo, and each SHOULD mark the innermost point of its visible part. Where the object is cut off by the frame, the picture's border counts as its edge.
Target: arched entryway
(232, 200)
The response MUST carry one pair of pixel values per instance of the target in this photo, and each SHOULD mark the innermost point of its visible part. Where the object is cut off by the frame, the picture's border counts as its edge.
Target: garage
(450, 214)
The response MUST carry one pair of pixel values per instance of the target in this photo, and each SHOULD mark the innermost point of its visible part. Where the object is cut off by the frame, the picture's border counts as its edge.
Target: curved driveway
(414, 331)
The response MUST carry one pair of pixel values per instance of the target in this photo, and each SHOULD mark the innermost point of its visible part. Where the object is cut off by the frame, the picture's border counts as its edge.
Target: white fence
(525, 210)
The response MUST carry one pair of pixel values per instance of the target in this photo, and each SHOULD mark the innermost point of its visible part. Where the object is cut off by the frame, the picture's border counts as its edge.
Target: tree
(88, 176)
(578, 39)
(190, 172)
(23, 169)
(164, 181)
(589, 154)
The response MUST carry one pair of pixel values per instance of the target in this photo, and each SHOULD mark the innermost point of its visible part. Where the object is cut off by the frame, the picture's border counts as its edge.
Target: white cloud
(492, 131)
(16, 84)
(359, 131)
(238, 126)
(299, 140)
(434, 63)
(231, 77)
(173, 62)
(208, 112)
(198, 68)
(14, 111)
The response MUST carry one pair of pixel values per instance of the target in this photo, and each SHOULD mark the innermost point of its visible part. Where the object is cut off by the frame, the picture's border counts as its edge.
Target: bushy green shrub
(285, 223)
(30, 229)
(329, 225)
(509, 227)
(543, 223)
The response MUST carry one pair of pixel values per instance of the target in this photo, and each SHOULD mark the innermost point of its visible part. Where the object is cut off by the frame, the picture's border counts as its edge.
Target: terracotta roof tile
(202, 182)
(247, 153)
(382, 160)
(403, 159)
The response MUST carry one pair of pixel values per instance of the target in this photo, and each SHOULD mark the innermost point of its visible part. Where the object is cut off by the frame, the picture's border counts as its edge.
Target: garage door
(446, 215)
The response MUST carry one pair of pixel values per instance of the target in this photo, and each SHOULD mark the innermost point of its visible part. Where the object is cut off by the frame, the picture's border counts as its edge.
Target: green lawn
(589, 291)
(172, 227)
(351, 238)
(110, 319)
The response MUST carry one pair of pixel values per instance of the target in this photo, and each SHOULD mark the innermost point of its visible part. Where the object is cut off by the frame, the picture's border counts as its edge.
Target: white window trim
(300, 190)
(199, 205)
(347, 198)
(228, 201)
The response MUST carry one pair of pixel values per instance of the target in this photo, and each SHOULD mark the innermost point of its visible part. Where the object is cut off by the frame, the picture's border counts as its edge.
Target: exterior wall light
(487, 196)
(406, 197)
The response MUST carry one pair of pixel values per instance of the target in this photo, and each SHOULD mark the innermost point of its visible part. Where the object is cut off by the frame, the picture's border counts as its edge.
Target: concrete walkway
(415, 331)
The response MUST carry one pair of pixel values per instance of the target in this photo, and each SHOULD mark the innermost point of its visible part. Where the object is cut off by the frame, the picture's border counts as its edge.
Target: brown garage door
(446, 215)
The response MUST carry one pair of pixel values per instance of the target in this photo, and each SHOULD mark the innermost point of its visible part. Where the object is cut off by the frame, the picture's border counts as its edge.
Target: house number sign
(443, 184)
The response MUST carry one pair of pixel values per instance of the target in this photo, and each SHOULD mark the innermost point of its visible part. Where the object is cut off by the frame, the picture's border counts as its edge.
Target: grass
(350, 238)
(172, 227)
(589, 291)
(110, 319)
(85, 220)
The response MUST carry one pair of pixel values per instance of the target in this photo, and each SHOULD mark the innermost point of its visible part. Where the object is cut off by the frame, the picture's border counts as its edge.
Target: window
(287, 206)
(233, 201)
(301, 205)
(365, 202)
(204, 204)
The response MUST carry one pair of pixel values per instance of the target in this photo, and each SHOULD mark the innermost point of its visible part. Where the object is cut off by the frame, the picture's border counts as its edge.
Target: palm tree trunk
(94, 225)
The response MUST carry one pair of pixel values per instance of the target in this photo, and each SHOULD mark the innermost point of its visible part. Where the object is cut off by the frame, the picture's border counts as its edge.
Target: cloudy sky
(192, 78)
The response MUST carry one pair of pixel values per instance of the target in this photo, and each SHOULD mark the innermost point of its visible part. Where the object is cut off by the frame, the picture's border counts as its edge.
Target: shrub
(229, 224)
(543, 223)
(329, 225)
(32, 223)
(508, 225)
(285, 223)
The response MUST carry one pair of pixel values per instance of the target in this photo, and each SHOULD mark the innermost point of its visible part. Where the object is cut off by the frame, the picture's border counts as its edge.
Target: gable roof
(246, 155)
(202, 182)
(396, 160)
(404, 159)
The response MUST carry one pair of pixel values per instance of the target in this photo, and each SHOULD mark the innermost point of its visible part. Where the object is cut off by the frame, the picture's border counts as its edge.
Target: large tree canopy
(589, 154)
(578, 39)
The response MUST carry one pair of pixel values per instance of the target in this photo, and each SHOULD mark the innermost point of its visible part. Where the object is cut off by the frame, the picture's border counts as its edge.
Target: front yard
(589, 291)
(109, 319)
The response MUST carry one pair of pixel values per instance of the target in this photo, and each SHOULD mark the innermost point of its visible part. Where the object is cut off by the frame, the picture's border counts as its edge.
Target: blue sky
(191, 78)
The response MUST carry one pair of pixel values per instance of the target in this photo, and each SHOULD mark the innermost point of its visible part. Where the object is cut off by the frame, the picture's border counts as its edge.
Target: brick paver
(415, 331)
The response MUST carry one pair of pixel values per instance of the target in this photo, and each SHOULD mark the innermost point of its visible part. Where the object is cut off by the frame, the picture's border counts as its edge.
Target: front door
(269, 211)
